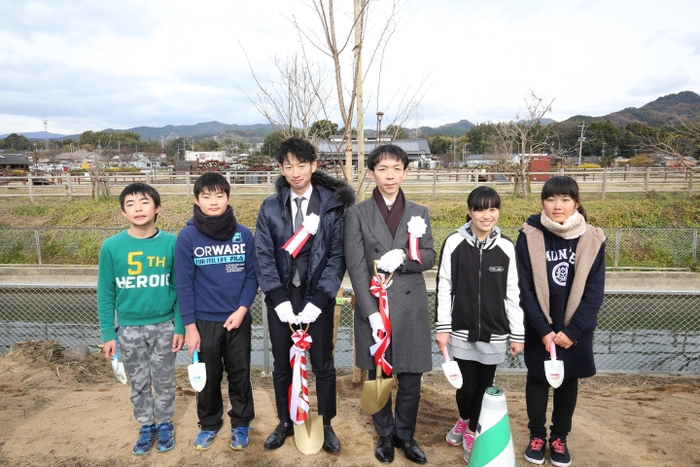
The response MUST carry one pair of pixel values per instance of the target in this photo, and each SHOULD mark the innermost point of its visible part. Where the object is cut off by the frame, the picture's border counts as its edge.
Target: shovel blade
(198, 376)
(554, 371)
(197, 372)
(376, 393)
(454, 376)
(553, 368)
(117, 366)
(308, 436)
(119, 371)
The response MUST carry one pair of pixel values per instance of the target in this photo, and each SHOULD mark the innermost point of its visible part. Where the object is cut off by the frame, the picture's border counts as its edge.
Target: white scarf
(573, 227)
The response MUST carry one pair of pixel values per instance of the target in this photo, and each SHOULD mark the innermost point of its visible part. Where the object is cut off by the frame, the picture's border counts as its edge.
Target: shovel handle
(445, 354)
(376, 273)
(301, 326)
(195, 356)
(552, 351)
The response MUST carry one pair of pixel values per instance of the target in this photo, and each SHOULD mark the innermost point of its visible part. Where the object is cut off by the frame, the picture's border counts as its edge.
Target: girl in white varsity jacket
(478, 307)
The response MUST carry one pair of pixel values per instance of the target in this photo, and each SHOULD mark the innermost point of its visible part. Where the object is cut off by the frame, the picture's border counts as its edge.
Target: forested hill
(666, 109)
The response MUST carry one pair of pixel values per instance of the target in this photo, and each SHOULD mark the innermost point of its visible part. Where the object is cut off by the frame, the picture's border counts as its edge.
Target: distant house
(140, 161)
(674, 162)
(203, 156)
(417, 149)
(481, 160)
(13, 162)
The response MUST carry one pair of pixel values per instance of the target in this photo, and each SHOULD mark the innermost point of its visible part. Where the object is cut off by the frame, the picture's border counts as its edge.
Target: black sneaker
(535, 450)
(559, 453)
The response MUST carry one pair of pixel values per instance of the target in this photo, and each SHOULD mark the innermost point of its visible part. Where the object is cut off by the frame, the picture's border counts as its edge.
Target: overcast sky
(90, 65)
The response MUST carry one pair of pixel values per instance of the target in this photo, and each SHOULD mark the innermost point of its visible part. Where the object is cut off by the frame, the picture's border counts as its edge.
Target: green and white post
(493, 442)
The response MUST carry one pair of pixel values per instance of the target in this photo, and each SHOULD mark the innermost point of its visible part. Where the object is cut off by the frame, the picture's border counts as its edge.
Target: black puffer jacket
(326, 259)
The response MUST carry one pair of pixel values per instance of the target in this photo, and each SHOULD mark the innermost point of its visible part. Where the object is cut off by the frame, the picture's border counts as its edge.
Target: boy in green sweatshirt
(136, 283)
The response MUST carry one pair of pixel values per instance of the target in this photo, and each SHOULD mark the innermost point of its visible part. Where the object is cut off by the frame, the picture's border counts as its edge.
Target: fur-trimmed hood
(342, 192)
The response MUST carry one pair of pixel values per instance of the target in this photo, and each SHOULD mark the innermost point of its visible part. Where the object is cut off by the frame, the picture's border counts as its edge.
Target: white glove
(309, 313)
(285, 312)
(391, 260)
(375, 320)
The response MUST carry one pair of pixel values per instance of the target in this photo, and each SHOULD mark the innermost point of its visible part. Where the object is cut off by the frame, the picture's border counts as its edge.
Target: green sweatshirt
(136, 277)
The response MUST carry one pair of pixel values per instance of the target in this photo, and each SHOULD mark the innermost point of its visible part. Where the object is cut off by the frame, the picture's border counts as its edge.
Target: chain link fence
(640, 332)
(626, 248)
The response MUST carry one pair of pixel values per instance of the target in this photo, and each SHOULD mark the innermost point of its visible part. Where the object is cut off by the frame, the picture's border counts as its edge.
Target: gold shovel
(375, 393)
(308, 436)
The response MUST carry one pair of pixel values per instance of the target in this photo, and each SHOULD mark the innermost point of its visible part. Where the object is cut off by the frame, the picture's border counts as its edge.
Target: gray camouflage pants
(149, 361)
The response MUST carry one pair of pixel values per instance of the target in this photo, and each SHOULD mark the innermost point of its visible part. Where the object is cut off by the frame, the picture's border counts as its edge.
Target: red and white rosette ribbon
(416, 229)
(296, 242)
(378, 289)
(299, 389)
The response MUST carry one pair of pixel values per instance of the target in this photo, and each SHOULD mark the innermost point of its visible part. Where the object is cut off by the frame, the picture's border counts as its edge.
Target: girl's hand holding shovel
(442, 338)
(547, 340)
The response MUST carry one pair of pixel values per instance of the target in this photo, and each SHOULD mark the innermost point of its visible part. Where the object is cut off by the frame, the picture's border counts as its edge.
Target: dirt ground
(68, 414)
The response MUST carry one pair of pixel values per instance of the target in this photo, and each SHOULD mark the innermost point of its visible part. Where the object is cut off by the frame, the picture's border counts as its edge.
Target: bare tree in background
(559, 149)
(298, 99)
(528, 135)
(346, 62)
(679, 140)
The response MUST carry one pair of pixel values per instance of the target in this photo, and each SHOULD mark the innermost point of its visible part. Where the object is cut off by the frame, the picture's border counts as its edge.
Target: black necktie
(298, 220)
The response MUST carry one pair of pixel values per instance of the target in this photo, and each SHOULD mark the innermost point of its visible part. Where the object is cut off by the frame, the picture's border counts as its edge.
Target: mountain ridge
(664, 110)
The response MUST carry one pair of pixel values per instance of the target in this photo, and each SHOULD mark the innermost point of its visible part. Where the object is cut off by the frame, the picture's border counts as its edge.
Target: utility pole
(454, 147)
(46, 133)
(580, 142)
(602, 155)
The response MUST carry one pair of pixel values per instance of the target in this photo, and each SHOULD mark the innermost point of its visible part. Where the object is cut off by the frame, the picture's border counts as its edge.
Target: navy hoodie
(214, 277)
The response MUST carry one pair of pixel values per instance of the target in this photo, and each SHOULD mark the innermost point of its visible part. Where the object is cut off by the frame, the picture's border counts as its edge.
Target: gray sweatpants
(149, 361)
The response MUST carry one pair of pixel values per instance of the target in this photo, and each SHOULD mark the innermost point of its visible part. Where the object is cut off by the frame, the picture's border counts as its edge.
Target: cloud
(88, 65)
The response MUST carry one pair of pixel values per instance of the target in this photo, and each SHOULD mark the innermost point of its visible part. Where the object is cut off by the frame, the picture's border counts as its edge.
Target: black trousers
(320, 354)
(563, 401)
(477, 378)
(402, 421)
(229, 350)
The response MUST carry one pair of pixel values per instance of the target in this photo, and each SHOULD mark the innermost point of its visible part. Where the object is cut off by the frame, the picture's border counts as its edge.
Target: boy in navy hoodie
(216, 287)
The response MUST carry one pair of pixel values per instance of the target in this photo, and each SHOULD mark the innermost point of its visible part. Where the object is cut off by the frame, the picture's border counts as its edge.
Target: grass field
(629, 210)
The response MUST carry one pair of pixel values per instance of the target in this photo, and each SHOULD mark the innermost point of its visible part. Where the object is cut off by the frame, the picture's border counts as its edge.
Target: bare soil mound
(60, 413)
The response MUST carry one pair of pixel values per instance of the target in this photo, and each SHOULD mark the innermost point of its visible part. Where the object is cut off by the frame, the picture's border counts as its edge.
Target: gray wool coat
(367, 238)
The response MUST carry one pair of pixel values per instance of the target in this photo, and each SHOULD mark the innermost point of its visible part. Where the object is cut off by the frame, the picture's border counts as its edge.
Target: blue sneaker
(204, 439)
(166, 437)
(239, 437)
(147, 436)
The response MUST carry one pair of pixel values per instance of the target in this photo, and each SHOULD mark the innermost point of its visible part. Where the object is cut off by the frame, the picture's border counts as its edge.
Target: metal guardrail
(626, 248)
(639, 332)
